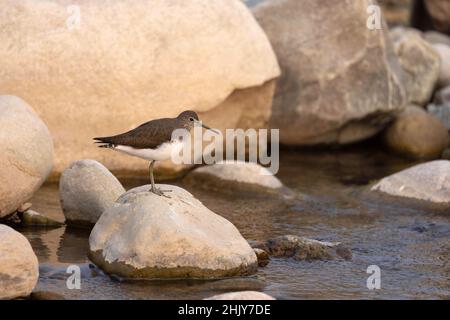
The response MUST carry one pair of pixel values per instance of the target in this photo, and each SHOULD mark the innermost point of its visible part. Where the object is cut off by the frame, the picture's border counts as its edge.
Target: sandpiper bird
(152, 140)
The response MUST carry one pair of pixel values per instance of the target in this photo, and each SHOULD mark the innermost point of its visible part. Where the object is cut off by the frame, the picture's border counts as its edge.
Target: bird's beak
(206, 127)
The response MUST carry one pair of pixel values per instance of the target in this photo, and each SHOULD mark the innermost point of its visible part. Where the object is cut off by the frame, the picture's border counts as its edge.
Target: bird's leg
(155, 190)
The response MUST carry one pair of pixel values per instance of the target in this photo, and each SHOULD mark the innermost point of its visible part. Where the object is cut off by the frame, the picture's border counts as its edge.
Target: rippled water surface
(409, 242)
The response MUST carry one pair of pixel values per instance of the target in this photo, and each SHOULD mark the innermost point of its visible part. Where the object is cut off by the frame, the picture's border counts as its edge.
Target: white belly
(163, 152)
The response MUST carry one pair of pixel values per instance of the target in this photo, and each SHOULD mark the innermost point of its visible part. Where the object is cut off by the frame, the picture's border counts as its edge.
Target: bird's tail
(104, 143)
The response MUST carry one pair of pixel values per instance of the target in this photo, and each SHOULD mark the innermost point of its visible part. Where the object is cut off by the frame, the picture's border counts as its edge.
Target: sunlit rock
(340, 80)
(143, 235)
(18, 265)
(86, 189)
(112, 67)
(427, 182)
(420, 63)
(26, 153)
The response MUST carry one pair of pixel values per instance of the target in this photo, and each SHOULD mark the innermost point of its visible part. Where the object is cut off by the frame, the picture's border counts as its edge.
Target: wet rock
(32, 218)
(46, 295)
(417, 134)
(86, 189)
(329, 92)
(214, 50)
(26, 153)
(440, 13)
(235, 175)
(242, 295)
(444, 53)
(143, 235)
(306, 249)
(420, 63)
(427, 182)
(263, 257)
(18, 265)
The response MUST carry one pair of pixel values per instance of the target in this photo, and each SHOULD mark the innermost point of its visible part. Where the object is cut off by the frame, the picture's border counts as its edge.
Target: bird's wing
(148, 135)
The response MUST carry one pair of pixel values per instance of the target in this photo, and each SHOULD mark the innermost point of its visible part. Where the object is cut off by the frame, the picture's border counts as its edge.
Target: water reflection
(408, 241)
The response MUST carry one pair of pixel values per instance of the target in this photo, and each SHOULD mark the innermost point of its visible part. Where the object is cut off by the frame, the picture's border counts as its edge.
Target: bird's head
(190, 119)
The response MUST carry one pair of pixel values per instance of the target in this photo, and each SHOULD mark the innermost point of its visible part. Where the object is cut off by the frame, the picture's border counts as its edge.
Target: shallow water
(409, 242)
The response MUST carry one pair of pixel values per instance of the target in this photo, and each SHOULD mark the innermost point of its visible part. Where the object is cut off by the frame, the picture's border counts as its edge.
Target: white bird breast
(162, 152)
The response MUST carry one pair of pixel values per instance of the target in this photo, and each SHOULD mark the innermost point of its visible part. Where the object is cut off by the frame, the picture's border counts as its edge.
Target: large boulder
(143, 235)
(26, 153)
(340, 81)
(417, 134)
(86, 189)
(427, 182)
(440, 14)
(19, 268)
(155, 60)
(420, 63)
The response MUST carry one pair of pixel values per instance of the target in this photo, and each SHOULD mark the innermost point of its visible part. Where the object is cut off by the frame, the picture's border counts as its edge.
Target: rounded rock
(19, 268)
(143, 235)
(249, 175)
(427, 182)
(417, 134)
(86, 189)
(26, 153)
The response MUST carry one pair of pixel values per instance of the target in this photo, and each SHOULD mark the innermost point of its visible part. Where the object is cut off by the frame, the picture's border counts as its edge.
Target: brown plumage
(152, 140)
(151, 134)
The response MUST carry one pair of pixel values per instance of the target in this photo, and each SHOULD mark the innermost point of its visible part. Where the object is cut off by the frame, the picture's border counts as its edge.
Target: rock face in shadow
(397, 12)
(242, 295)
(428, 182)
(417, 134)
(18, 265)
(157, 59)
(440, 12)
(86, 189)
(143, 235)
(340, 80)
(26, 153)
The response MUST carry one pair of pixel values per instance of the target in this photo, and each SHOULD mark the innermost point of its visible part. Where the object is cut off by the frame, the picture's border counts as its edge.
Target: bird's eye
(191, 119)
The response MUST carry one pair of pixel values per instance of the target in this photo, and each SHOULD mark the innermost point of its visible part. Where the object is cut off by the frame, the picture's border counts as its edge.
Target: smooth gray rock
(143, 235)
(238, 172)
(428, 182)
(18, 265)
(340, 80)
(443, 51)
(86, 189)
(26, 153)
(420, 62)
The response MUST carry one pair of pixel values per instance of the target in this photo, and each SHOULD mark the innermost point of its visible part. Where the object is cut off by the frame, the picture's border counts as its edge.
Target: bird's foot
(160, 192)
